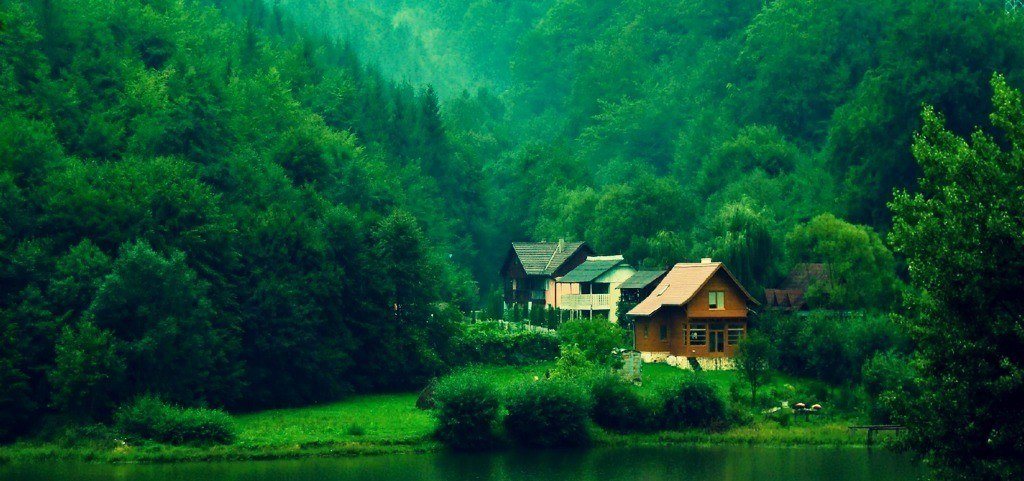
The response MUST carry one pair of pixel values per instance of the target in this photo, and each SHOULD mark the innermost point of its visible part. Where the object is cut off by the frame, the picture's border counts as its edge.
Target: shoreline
(811, 437)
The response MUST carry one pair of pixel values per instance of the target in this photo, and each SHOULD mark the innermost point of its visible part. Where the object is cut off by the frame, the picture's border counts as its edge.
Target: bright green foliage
(151, 419)
(861, 269)
(744, 241)
(962, 238)
(596, 338)
(491, 342)
(755, 360)
(548, 414)
(467, 412)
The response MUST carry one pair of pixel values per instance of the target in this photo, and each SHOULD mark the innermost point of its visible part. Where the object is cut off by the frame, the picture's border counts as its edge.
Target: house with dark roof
(695, 315)
(592, 288)
(641, 285)
(790, 296)
(530, 270)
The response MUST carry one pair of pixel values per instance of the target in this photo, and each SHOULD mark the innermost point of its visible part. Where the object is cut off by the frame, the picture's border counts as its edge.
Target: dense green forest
(260, 203)
(668, 130)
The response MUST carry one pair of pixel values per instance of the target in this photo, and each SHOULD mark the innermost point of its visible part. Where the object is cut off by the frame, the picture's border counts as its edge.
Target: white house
(592, 288)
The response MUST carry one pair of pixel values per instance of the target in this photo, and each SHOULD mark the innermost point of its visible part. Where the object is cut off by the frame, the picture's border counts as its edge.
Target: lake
(733, 463)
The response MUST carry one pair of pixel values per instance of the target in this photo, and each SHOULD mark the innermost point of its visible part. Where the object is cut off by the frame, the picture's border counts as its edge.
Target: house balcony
(586, 302)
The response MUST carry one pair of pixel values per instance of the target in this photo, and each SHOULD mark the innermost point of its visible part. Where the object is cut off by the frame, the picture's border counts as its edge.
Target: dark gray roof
(642, 279)
(544, 258)
(590, 270)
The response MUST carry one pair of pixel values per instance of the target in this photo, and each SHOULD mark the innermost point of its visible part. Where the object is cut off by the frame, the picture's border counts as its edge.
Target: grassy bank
(391, 423)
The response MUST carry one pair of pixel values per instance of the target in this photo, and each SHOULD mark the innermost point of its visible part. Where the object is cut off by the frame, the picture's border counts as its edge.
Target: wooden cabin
(531, 269)
(697, 311)
(791, 295)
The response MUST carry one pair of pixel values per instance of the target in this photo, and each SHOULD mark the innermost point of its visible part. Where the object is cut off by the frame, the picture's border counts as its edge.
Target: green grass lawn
(380, 418)
(390, 423)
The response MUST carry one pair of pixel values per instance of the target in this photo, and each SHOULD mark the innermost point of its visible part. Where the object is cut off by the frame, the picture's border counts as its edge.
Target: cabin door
(716, 341)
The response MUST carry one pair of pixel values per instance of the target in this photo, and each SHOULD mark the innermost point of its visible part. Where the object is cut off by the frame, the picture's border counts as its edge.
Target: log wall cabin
(698, 310)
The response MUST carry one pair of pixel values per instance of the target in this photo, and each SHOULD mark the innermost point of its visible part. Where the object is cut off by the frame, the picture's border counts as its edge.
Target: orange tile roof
(680, 285)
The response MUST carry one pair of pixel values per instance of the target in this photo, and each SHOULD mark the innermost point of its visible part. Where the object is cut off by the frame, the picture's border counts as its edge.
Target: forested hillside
(667, 129)
(201, 202)
(252, 203)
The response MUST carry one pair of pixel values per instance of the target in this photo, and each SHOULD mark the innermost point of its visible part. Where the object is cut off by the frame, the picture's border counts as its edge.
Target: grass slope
(391, 423)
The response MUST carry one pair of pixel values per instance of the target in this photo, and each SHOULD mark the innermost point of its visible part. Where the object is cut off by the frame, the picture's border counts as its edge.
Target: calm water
(632, 464)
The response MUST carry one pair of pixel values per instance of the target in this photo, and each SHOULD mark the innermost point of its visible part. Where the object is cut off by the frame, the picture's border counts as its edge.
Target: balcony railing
(586, 302)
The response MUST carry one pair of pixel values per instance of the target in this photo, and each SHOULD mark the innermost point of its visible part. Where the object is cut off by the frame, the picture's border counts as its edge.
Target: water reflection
(633, 464)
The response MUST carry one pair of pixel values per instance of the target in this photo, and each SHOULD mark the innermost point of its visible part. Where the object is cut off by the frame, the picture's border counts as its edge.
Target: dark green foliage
(16, 403)
(467, 412)
(491, 342)
(618, 406)
(831, 346)
(151, 419)
(961, 236)
(161, 323)
(88, 375)
(202, 204)
(695, 404)
(596, 338)
(548, 414)
(889, 380)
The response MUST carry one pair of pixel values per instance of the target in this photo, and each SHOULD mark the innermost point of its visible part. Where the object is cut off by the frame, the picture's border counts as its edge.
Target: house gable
(736, 301)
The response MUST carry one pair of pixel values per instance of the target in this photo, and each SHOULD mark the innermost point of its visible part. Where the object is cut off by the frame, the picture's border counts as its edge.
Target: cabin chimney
(561, 244)
(705, 260)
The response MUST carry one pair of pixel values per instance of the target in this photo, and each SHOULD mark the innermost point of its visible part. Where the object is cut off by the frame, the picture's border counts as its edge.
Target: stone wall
(706, 363)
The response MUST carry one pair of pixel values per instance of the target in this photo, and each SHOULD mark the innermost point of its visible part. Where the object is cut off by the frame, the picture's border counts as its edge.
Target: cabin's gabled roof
(804, 275)
(593, 268)
(790, 296)
(681, 283)
(544, 258)
(643, 279)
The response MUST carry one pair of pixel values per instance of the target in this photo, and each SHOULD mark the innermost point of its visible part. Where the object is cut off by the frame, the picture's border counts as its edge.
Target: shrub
(597, 338)
(572, 364)
(494, 342)
(694, 404)
(548, 413)
(150, 418)
(355, 430)
(888, 378)
(618, 406)
(467, 412)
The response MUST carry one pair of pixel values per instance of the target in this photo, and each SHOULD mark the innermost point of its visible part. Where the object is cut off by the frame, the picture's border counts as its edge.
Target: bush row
(149, 418)
(557, 412)
(495, 342)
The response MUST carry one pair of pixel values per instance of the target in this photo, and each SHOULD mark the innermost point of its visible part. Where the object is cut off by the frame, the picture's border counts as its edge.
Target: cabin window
(698, 334)
(735, 334)
(664, 332)
(647, 329)
(716, 300)
(600, 288)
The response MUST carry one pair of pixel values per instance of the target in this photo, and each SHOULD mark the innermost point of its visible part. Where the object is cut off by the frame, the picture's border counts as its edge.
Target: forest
(248, 204)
